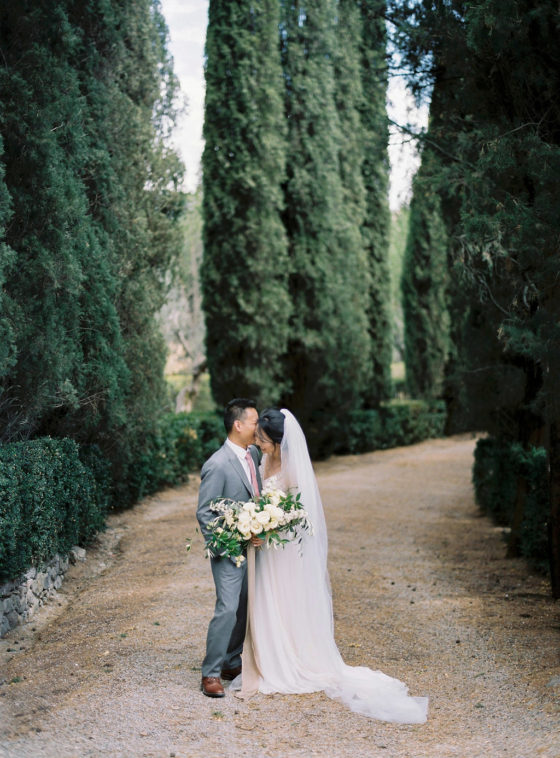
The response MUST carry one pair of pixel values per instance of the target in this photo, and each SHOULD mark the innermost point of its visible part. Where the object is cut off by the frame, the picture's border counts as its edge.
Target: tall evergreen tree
(93, 203)
(7, 262)
(49, 232)
(425, 281)
(133, 177)
(501, 155)
(397, 246)
(245, 263)
(328, 349)
(375, 169)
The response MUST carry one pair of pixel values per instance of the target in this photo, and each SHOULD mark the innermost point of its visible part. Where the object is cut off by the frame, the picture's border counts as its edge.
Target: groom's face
(247, 426)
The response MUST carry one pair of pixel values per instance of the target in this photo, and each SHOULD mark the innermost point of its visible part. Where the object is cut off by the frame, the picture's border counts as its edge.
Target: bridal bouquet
(274, 516)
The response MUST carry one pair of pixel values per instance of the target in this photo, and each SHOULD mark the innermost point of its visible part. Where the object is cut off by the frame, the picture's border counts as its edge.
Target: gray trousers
(226, 630)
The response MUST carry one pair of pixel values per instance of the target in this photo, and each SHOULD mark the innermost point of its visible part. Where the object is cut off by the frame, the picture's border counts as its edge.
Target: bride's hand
(257, 542)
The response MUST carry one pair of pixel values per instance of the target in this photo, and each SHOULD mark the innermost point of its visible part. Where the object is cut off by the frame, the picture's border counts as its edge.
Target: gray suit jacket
(223, 476)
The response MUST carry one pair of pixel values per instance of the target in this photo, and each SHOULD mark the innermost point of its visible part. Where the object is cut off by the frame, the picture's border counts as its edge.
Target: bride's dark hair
(271, 421)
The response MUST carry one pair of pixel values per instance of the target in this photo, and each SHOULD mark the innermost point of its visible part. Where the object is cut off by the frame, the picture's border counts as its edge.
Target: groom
(232, 472)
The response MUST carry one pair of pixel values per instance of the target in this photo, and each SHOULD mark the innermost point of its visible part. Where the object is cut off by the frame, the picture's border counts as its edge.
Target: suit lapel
(236, 463)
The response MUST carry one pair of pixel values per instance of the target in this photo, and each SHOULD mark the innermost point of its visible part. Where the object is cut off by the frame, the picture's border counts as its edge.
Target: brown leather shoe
(212, 687)
(230, 674)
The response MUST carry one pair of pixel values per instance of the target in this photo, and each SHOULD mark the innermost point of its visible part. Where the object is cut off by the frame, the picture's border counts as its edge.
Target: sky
(187, 20)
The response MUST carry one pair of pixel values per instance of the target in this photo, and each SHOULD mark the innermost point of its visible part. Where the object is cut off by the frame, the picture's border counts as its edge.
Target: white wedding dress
(292, 621)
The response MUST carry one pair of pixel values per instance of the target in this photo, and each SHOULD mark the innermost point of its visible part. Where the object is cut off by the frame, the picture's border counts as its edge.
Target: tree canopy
(495, 70)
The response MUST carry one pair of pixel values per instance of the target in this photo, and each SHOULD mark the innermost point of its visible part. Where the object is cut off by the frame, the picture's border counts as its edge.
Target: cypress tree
(7, 261)
(92, 193)
(349, 97)
(375, 169)
(328, 350)
(49, 232)
(132, 178)
(244, 271)
(424, 290)
(355, 154)
(500, 156)
(397, 247)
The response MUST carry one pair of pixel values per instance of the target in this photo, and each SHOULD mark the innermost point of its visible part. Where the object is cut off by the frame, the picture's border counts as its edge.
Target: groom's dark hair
(235, 409)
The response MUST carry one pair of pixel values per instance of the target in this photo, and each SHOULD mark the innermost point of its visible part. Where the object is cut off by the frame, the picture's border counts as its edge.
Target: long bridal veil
(302, 633)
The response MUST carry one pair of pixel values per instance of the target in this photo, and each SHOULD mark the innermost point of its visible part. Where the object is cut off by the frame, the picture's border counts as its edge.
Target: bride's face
(265, 443)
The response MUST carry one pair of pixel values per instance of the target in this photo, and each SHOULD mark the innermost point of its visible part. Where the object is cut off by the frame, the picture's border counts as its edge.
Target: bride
(290, 646)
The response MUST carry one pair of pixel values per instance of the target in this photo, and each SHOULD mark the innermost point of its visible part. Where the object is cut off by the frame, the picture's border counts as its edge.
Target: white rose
(275, 496)
(256, 526)
(282, 516)
(263, 517)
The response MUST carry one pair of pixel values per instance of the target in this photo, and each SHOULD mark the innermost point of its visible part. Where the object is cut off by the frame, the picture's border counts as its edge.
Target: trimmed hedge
(396, 423)
(497, 466)
(54, 495)
(50, 500)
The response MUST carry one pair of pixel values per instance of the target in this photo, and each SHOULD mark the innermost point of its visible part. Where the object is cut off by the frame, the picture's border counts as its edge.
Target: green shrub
(181, 444)
(50, 500)
(209, 428)
(397, 422)
(497, 467)
(495, 479)
(534, 529)
(408, 421)
(364, 432)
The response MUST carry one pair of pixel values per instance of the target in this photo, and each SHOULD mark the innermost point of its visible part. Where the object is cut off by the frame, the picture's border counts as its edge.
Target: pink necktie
(249, 459)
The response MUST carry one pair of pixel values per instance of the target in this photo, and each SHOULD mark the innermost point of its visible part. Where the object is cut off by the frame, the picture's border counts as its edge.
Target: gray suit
(223, 476)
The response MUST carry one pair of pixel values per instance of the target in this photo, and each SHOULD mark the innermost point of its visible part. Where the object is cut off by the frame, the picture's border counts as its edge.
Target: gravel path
(421, 591)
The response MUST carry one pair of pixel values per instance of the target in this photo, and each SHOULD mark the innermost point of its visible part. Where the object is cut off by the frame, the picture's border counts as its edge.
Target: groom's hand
(257, 542)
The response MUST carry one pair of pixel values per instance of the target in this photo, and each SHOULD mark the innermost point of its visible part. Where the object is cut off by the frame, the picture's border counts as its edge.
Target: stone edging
(20, 598)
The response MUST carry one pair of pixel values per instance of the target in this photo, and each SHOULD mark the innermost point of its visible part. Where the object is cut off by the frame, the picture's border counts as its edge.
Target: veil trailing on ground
(295, 632)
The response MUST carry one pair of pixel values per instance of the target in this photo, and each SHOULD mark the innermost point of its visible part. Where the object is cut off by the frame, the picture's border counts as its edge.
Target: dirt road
(421, 591)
